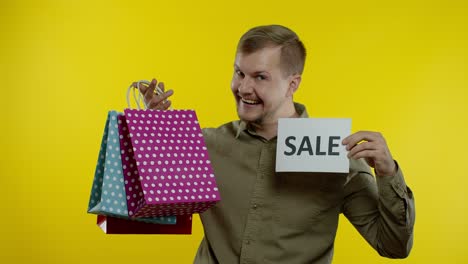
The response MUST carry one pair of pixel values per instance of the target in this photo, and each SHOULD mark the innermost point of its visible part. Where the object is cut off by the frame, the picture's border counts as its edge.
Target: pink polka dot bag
(165, 163)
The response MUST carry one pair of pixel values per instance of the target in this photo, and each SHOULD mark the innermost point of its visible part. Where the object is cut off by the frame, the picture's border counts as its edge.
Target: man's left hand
(373, 148)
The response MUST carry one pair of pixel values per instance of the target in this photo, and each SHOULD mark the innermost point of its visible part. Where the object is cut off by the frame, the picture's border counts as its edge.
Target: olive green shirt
(269, 217)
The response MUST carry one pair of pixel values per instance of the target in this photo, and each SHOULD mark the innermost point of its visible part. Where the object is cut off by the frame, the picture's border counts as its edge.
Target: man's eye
(241, 74)
(260, 77)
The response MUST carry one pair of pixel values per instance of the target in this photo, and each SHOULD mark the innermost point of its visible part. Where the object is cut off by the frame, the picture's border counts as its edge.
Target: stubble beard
(257, 122)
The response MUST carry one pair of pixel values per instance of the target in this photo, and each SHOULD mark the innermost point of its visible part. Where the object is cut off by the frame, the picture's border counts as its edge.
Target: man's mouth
(250, 102)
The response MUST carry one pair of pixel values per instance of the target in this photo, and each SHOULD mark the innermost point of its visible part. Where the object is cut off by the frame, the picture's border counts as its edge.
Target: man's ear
(294, 82)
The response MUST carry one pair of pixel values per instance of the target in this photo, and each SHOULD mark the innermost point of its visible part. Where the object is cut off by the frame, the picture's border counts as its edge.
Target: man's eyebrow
(237, 68)
(254, 73)
(260, 72)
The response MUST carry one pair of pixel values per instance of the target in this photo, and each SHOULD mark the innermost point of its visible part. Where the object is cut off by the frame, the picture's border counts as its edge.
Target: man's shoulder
(227, 129)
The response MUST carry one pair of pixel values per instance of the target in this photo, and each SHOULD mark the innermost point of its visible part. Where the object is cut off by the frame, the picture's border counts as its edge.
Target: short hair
(293, 52)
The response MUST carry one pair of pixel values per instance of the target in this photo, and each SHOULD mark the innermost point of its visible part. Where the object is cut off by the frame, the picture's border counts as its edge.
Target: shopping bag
(165, 162)
(108, 195)
(113, 225)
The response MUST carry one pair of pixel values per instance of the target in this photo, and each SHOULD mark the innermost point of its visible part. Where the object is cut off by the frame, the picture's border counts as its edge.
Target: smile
(250, 102)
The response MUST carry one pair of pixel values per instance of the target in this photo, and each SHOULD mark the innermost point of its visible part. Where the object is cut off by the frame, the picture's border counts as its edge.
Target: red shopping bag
(114, 225)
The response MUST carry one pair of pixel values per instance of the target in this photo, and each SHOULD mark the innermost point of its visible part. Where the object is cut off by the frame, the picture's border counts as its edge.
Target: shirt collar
(300, 109)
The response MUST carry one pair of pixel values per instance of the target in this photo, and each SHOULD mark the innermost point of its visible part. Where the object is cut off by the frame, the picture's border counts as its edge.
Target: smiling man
(263, 84)
(265, 217)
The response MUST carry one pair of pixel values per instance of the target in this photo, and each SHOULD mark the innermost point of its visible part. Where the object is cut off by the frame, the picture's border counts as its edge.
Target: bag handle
(140, 96)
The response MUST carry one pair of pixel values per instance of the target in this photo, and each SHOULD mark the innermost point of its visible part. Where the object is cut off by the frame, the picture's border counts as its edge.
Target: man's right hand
(153, 101)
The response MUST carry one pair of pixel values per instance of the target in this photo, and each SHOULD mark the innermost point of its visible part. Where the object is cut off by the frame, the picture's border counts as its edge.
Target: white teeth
(247, 101)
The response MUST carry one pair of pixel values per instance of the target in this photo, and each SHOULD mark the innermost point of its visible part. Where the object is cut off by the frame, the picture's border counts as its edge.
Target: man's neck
(269, 130)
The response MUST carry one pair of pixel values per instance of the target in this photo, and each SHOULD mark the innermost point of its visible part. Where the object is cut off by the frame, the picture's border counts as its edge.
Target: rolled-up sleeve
(382, 209)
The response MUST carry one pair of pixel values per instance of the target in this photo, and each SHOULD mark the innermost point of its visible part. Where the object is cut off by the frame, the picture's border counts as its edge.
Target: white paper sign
(312, 145)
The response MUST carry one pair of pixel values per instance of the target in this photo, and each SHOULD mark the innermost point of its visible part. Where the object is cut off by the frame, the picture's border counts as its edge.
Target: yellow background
(399, 67)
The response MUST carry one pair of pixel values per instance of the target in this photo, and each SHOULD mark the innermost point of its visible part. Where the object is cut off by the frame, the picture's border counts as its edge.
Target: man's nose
(245, 86)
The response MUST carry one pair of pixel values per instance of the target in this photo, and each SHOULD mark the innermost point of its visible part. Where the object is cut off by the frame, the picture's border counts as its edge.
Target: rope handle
(140, 96)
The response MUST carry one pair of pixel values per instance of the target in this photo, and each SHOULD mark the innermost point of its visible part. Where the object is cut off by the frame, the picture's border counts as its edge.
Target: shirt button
(254, 206)
(247, 242)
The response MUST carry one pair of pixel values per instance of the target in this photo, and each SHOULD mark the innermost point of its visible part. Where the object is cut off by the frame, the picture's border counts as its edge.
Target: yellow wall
(399, 67)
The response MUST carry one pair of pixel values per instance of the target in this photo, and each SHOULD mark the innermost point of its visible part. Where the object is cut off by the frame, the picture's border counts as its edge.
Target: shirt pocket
(305, 199)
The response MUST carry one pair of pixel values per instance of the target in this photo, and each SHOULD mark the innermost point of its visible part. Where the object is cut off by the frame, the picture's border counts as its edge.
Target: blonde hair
(293, 52)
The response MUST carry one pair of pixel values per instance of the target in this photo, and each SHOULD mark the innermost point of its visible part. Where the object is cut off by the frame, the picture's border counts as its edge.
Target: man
(265, 217)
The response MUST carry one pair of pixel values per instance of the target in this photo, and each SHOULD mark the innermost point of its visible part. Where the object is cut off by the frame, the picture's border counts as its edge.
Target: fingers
(365, 154)
(149, 92)
(166, 104)
(146, 90)
(161, 106)
(154, 100)
(357, 137)
(163, 96)
(142, 87)
(373, 144)
(160, 102)
(161, 86)
(364, 146)
(374, 149)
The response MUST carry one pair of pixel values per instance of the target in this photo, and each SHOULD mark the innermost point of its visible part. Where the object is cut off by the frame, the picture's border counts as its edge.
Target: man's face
(261, 90)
